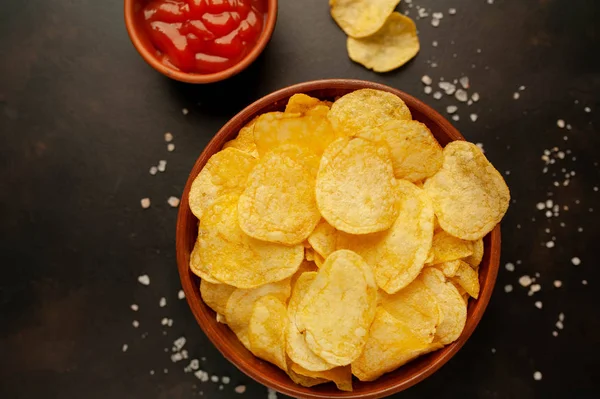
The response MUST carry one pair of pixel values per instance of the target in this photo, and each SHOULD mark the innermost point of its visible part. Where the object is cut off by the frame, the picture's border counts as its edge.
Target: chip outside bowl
(226, 341)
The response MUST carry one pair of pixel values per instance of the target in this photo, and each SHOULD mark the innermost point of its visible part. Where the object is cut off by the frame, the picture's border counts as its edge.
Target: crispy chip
(390, 48)
(302, 103)
(249, 262)
(241, 302)
(446, 248)
(266, 330)
(475, 259)
(215, 296)
(338, 308)
(398, 254)
(366, 109)
(452, 305)
(245, 140)
(469, 196)
(225, 173)
(296, 347)
(323, 238)
(361, 18)
(309, 254)
(355, 187)
(197, 266)
(416, 307)
(449, 268)
(312, 131)
(304, 380)
(319, 260)
(341, 376)
(390, 345)
(416, 154)
(467, 278)
(279, 204)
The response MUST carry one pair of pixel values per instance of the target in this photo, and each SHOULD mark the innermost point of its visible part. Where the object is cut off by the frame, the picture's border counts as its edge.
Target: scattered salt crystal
(271, 394)
(455, 117)
(464, 82)
(555, 333)
(178, 344)
(201, 375)
(548, 214)
(181, 294)
(549, 203)
(185, 111)
(170, 147)
(194, 364)
(214, 378)
(168, 137)
(510, 267)
(448, 87)
(240, 389)
(537, 376)
(434, 43)
(153, 170)
(516, 95)
(437, 15)
(162, 165)
(538, 304)
(134, 307)
(176, 357)
(490, 1)
(170, 322)
(508, 288)
(535, 288)
(452, 11)
(560, 123)
(576, 261)
(173, 201)
(124, 348)
(166, 371)
(437, 95)
(144, 279)
(473, 117)
(135, 324)
(525, 281)
(145, 202)
(164, 321)
(584, 282)
(475, 97)
(540, 205)
(451, 109)
(561, 316)
(427, 89)
(461, 95)
(151, 372)
(587, 109)
(162, 302)
(493, 350)
(550, 244)
(557, 283)
(521, 88)
(426, 80)
(559, 324)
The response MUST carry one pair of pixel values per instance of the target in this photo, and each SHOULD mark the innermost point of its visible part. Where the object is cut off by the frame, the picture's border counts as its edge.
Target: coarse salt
(427, 89)
(576, 261)
(168, 137)
(134, 307)
(240, 389)
(525, 281)
(475, 97)
(185, 111)
(473, 117)
(135, 324)
(162, 302)
(426, 80)
(124, 348)
(181, 294)
(537, 376)
(214, 378)
(201, 375)
(516, 95)
(437, 95)
(452, 11)
(508, 288)
(170, 147)
(455, 117)
(145, 202)
(461, 95)
(144, 279)
(451, 109)
(560, 123)
(557, 283)
(550, 244)
(510, 267)
(538, 304)
(162, 165)
(173, 201)
(153, 170)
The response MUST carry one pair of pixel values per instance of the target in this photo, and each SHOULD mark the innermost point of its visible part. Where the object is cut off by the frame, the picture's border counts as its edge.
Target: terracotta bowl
(225, 340)
(142, 43)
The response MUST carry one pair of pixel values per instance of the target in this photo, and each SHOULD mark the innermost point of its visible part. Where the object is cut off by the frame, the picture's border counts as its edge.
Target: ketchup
(203, 36)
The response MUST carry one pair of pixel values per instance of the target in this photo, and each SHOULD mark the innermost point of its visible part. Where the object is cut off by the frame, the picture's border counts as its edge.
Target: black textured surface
(82, 119)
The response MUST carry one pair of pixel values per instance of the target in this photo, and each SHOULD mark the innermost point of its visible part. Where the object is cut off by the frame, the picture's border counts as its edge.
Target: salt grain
(240, 389)
(554, 333)
(448, 87)
(557, 283)
(584, 282)
(225, 380)
(508, 288)
(461, 95)
(173, 201)
(475, 97)
(473, 117)
(559, 324)
(464, 82)
(535, 288)
(538, 304)
(145, 202)
(455, 117)
(452, 11)
(134, 307)
(194, 364)
(124, 348)
(181, 294)
(427, 89)
(164, 321)
(201, 375)
(525, 281)
(185, 111)
(493, 351)
(437, 95)
(168, 137)
(153, 170)
(271, 394)
(561, 316)
(135, 324)
(516, 95)
(434, 43)
(178, 344)
(144, 279)
(550, 244)
(435, 22)
(451, 109)
(162, 165)
(576, 261)
(426, 80)
(214, 378)
(162, 302)
(170, 147)
(587, 109)
(560, 123)
(510, 267)
(537, 376)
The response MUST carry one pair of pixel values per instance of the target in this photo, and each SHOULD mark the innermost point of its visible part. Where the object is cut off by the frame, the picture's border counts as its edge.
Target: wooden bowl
(226, 341)
(144, 46)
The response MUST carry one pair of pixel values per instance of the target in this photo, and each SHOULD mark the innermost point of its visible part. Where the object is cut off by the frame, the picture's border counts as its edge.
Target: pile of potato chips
(379, 38)
(340, 239)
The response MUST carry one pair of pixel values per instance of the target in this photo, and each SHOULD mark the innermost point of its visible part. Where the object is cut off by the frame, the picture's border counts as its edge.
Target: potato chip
(266, 330)
(338, 308)
(452, 305)
(296, 347)
(319, 260)
(416, 307)
(245, 140)
(341, 376)
(215, 296)
(446, 248)
(323, 238)
(416, 154)
(478, 250)
(361, 18)
(225, 173)
(241, 303)
(278, 204)
(469, 196)
(355, 187)
(366, 109)
(390, 344)
(198, 267)
(467, 278)
(304, 380)
(398, 254)
(249, 262)
(449, 268)
(392, 46)
(309, 254)
(302, 103)
(312, 131)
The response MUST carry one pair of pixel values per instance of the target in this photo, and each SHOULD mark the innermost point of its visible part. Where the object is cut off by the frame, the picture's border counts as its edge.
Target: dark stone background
(82, 119)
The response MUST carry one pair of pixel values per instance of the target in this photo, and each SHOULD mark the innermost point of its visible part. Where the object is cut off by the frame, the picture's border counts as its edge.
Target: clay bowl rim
(148, 53)
(267, 374)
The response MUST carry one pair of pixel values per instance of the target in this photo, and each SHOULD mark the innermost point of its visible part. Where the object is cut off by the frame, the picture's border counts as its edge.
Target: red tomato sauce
(203, 36)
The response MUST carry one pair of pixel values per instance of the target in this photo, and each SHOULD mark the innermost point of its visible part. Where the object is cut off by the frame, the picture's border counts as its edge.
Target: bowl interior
(144, 46)
(226, 341)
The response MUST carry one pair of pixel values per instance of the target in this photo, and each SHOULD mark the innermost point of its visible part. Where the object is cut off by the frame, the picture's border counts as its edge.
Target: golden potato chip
(319, 260)
(303, 380)
(215, 296)
(446, 248)
(301, 103)
(198, 267)
(225, 173)
(323, 238)
(341, 376)
(278, 204)
(248, 262)
(475, 259)
(356, 186)
(241, 303)
(452, 305)
(467, 278)
(398, 254)
(416, 154)
(361, 18)
(309, 254)
(266, 330)
(338, 308)
(366, 109)
(392, 46)
(416, 307)
(296, 347)
(469, 196)
(312, 131)
(449, 268)
(245, 140)
(390, 344)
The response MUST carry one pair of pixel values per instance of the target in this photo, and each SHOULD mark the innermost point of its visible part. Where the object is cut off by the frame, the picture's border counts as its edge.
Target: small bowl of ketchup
(200, 41)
